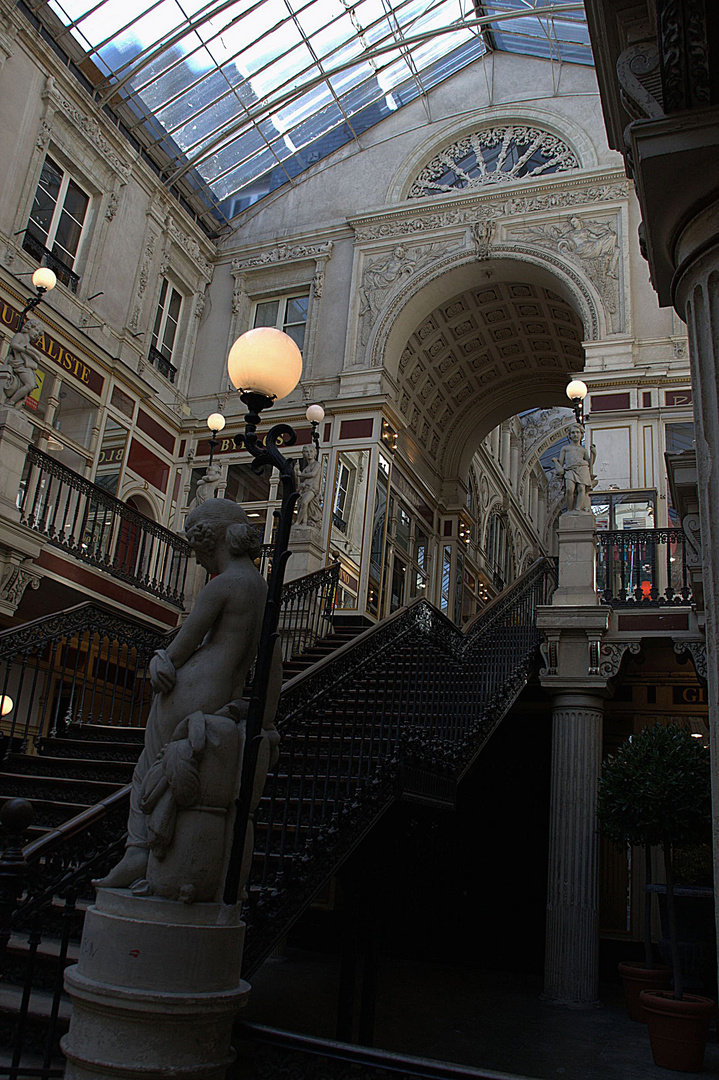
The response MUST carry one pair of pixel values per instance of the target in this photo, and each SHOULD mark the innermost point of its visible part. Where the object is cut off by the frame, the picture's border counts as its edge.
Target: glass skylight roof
(241, 96)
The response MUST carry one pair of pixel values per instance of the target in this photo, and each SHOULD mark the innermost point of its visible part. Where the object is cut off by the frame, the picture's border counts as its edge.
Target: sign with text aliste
(69, 363)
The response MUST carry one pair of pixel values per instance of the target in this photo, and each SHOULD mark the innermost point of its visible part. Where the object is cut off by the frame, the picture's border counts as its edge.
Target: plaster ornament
(17, 373)
(383, 274)
(16, 580)
(202, 669)
(495, 155)
(575, 466)
(593, 244)
(309, 511)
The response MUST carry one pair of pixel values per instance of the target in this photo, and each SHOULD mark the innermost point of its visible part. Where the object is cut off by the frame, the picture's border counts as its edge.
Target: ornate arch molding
(559, 126)
(382, 351)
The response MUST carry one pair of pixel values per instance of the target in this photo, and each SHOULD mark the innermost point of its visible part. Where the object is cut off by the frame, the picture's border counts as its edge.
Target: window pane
(75, 202)
(67, 238)
(679, 437)
(297, 333)
(45, 200)
(75, 416)
(266, 314)
(297, 309)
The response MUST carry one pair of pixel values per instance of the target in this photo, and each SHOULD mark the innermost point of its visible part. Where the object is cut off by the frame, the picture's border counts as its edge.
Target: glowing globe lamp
(265, 361)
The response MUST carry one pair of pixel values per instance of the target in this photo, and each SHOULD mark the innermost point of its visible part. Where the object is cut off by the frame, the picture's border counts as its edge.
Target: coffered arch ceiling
(486, 354)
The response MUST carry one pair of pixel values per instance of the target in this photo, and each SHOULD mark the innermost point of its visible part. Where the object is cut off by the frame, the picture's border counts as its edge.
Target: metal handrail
(86, 521)
(378, 1061)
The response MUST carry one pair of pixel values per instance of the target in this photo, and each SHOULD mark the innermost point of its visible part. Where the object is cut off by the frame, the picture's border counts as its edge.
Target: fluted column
(571, 971)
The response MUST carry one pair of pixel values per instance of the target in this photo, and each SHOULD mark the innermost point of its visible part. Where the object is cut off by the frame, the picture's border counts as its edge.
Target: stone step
(41, 765)
(90, 749)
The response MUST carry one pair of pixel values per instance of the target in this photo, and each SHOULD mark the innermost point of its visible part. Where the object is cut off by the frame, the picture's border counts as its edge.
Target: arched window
(499, 552)
(494, 155)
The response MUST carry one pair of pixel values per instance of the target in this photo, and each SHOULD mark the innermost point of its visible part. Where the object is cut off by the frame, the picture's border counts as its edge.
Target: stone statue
(308, 505)
(192, 754)
(18, 371)
(206, 486)
(575, 465)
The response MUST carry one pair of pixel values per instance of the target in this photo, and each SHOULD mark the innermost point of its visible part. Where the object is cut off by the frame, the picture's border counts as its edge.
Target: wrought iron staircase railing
(89, 523)
(402, 711)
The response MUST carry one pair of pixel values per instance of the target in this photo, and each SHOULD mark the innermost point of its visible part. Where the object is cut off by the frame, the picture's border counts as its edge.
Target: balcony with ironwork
(644, 568)
(85, 521)
(162, 364)
(46, 257)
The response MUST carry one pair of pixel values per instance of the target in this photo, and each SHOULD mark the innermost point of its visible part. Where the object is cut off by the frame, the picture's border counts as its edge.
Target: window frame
(48, 243)
(283, 299)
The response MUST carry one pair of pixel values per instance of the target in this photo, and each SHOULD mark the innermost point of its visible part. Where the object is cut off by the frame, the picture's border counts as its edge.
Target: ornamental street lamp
(215, 422)
(576, 392)
(264, 365)
(315, 414)
(43, 279)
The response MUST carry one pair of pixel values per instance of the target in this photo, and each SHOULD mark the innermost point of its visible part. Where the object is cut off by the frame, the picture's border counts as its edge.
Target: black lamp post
(43, 279)
(215, 422)
(576, 392)
(264, 365)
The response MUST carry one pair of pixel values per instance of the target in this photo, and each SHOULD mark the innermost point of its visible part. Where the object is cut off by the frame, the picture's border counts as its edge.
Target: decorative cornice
(698, 652)
(481, 205)
(88, 125)
(282, 253)
(612, 654)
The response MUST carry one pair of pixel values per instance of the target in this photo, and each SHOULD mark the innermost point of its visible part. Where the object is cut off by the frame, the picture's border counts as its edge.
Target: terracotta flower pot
(677, 1029)
(636, 977)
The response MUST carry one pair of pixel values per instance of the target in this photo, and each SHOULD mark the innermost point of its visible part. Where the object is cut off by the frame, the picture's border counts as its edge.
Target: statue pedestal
(577, 560)
(156, 990)
(308, 551)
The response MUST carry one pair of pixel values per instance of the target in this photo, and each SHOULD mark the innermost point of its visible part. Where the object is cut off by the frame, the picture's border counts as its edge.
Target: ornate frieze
(283, 253)
(191, 247)
(408, 224)
(494, 155)
(88, 125)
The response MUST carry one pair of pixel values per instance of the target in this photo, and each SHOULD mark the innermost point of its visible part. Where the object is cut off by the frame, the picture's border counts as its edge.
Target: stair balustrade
(89, 523)
(401, 711)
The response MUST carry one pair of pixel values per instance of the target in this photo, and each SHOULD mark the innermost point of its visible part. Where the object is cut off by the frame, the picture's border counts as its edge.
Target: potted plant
(656, 791)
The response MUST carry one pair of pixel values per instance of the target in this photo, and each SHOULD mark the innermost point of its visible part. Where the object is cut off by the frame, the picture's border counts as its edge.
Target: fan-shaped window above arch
(494, 155)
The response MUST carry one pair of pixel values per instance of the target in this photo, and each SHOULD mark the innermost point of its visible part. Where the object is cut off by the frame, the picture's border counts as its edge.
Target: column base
(156, 990)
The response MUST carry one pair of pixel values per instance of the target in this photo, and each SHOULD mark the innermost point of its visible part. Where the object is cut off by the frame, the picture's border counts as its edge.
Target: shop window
(404, 524)
(57, 218)
(342, 497)
(75, 416)
(112, 456)
(245, 486)
(679, 437)
(164, 331)
(287, 313)
(624, 510)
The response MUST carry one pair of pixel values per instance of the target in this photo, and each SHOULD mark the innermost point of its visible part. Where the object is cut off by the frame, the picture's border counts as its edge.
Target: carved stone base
(577, 560)
(156, 990)
(308, 552)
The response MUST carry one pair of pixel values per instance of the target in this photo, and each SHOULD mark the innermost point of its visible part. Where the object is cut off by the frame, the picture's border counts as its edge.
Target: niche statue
(575, 465)
(186, 781)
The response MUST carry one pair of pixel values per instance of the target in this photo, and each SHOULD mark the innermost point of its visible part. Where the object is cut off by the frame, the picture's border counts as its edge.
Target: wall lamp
(43, 279)
(216, 423)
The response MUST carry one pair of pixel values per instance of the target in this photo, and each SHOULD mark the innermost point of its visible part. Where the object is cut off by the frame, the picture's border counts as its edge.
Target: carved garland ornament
(495, 155)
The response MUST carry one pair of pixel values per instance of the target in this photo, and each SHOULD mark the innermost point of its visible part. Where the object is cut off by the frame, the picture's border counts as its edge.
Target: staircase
(399, 711)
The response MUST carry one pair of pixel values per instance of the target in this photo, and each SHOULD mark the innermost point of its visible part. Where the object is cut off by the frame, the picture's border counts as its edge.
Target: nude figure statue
(18, 371)
(205, 666)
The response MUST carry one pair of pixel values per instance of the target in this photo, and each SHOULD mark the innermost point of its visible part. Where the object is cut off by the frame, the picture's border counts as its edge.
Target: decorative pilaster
(571, 970)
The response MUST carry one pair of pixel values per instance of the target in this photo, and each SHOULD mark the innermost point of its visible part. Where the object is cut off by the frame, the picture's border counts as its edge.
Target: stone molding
(18, 573)
(58, 101)
(698, 652)
(612, 654)
(282, 253)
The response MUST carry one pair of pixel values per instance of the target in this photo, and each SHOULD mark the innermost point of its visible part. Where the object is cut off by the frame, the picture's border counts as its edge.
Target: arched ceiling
(486, 354)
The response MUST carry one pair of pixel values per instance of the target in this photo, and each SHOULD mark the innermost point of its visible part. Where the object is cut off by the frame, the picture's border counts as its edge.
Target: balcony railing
(643, 568)
(162, 364)
(87, 522)
(43, 255)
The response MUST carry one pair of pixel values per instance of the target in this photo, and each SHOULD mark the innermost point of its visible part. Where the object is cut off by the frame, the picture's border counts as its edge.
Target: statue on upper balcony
(309, 511)
(207, 486)
(18, 372)
(575, 465)
(186, 780)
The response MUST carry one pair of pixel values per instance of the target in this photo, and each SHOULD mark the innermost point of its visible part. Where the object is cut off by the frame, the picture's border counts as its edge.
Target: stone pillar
(697, 300)
(571, 971)
(505, 447)
(577, 560)
(15, 435)
(514, 462)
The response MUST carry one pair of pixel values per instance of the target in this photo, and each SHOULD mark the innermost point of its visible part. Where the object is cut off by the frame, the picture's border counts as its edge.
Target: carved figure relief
(593, 244)
(382, 275)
